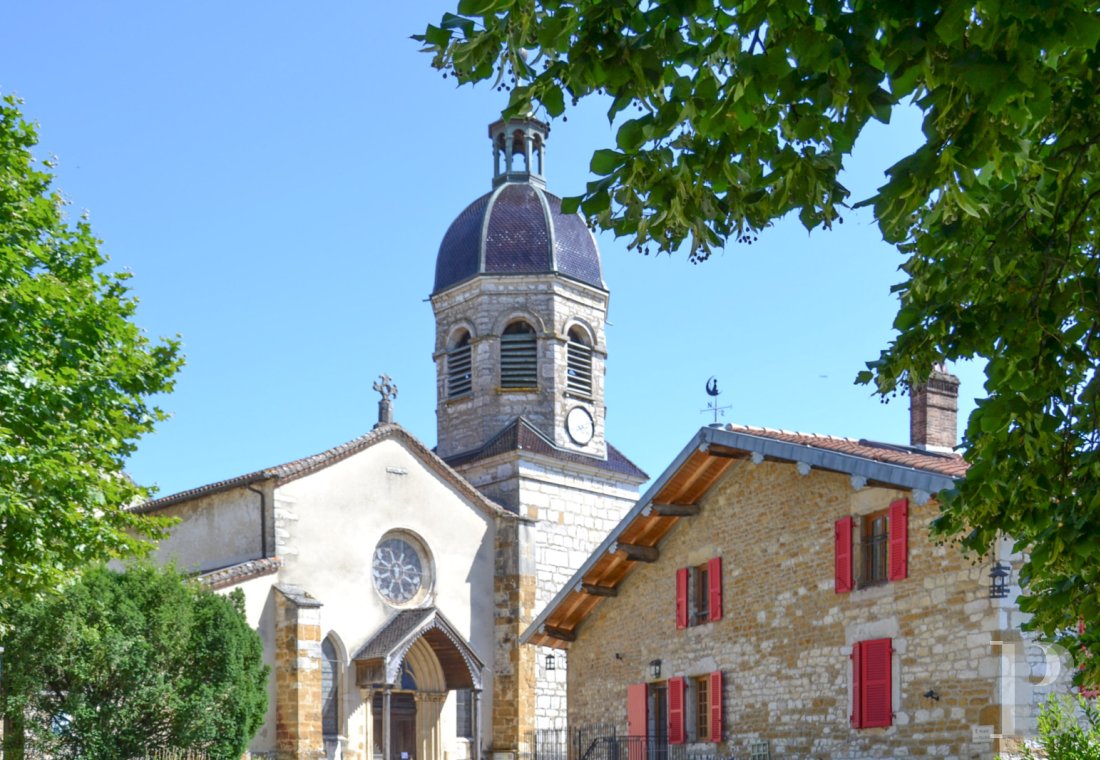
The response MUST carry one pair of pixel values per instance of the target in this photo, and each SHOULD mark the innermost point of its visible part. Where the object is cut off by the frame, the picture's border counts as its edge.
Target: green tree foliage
(124, 664)
(734, 113)
(76, 376)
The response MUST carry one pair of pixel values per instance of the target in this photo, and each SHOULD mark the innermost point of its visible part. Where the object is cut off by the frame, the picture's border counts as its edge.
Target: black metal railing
(562, 743)
(604, 743)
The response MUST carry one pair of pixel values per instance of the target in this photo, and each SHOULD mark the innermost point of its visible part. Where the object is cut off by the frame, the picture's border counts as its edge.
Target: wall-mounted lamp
(998, 580)
(654, 668)
(554, 661)
(932, 694)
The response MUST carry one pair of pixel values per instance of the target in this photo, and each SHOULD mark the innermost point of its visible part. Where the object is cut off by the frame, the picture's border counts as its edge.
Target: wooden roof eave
(674, 498)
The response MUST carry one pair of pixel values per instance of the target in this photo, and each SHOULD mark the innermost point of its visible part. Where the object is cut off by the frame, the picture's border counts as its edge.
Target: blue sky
(278, 176)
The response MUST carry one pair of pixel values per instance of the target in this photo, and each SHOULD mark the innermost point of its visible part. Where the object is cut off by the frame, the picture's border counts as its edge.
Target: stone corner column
(513, 718)
(297, 675)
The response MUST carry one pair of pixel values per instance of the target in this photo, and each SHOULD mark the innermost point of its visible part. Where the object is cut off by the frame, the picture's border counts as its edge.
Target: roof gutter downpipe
(263, 519)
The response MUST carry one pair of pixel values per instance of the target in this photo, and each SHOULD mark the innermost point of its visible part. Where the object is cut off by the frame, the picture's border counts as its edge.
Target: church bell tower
(520, 350)
(520, 309)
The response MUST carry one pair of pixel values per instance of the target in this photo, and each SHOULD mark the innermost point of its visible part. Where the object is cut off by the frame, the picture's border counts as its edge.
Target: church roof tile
(522, 435)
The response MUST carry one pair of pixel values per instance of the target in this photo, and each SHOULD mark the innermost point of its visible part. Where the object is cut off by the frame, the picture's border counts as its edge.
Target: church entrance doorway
(403, 740)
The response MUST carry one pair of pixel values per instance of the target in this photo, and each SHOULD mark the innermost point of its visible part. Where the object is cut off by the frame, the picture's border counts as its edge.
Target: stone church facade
(390, 582)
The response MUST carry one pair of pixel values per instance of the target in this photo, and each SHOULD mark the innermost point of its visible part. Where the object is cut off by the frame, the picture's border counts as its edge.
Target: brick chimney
(933, 412)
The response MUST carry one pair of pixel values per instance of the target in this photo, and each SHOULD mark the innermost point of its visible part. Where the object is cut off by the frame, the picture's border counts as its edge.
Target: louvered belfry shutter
(714, 592)
(899, 540)
(682, 578)
(857, 685)
(842, 539)
(715, 706)
(875, 681)
(676, 725)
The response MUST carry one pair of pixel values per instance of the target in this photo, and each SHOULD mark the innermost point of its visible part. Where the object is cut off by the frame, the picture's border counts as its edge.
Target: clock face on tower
(579, 425)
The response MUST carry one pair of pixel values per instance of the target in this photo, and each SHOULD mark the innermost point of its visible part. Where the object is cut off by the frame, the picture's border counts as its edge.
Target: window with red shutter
(842, 540)
(872, 689)
(715, 694)
(676, 714)
(899, 540)
(714, 579)
(683, 575)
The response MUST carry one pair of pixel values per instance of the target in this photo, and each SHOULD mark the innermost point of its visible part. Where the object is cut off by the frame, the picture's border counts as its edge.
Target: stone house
(390, 582)
(778, 594)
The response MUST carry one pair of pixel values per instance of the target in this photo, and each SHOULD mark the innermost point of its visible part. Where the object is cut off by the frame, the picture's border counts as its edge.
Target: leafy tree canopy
(122, 665)
(742, 111)
(76, 376)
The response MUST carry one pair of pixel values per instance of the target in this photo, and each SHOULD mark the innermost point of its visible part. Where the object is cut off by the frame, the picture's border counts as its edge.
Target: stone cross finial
(388, 389)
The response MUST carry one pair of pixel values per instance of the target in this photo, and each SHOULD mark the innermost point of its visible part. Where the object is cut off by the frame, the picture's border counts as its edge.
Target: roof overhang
(676, 495)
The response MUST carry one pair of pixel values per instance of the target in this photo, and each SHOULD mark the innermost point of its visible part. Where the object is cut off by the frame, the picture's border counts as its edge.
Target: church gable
(253, 516)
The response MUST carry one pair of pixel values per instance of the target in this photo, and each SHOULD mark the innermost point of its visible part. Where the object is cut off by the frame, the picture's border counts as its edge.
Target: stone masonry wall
(571, 512)
(785, 640)
(574, 512)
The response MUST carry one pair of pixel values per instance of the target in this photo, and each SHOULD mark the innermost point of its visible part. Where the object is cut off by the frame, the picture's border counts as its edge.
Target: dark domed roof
(518, 228)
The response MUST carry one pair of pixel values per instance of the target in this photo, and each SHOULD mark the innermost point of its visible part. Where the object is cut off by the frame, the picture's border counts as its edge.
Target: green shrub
(126, 665)
(1069, 729)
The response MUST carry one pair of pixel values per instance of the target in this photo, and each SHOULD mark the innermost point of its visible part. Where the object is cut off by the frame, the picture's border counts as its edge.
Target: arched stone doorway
(404, 674)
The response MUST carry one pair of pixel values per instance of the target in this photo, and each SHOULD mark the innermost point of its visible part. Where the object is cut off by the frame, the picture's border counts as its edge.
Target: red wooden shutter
(843, 541)
(714, 592)
(682, 578)
(676, 732)
(857, 685)
(899, 540)
(716, 706)
(875, 679)
(637, 718)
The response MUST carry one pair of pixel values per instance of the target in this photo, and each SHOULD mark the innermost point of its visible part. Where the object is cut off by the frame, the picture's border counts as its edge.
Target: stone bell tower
(520, 309)
(520, 352)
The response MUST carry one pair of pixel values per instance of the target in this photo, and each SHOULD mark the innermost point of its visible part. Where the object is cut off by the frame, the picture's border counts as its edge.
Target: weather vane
(712, 405)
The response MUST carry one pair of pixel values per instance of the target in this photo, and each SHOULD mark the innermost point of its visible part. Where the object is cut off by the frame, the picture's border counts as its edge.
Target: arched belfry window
(519, 356)
(579, 363)
(330, 689)
(459, 366)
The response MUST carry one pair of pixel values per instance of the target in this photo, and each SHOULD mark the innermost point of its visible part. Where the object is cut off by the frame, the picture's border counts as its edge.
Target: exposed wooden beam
(595, 590)
(559, 634)
(675, 510)
(638, 553)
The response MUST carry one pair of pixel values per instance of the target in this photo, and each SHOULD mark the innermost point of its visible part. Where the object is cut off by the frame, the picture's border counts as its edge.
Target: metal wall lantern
(654, 668)
(998, 580)
(552, 661)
